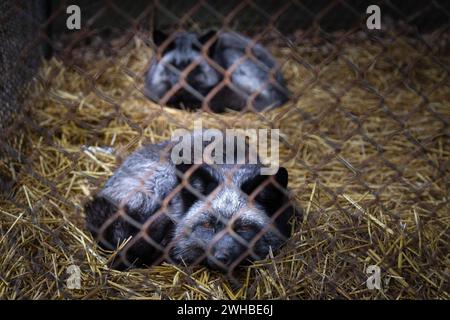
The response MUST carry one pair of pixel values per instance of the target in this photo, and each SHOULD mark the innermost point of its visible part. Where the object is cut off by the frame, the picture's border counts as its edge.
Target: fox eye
(251, 185)
(245, 227)
(207, 225)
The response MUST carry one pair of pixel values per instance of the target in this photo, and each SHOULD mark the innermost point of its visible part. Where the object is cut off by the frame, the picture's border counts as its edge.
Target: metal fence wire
(92, 205)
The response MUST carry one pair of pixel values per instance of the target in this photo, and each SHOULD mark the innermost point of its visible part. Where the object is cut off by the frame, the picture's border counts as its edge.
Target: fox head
(233, 214)
(180, 62)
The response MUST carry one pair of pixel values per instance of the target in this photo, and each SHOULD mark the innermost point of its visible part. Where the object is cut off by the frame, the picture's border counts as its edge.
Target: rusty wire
(22, 159)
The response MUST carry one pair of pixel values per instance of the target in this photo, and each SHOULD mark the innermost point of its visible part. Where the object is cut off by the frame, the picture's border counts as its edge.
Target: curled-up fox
(216, 71)
(219, 215)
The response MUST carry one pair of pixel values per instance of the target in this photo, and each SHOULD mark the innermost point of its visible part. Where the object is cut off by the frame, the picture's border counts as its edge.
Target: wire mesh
(363, 136)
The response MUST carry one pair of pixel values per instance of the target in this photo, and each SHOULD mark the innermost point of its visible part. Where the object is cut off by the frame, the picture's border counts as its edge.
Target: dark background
(330, 15)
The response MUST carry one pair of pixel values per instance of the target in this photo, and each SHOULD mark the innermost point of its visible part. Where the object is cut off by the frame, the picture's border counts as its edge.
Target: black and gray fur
(256, 80)
(218, 215)
(165, 71)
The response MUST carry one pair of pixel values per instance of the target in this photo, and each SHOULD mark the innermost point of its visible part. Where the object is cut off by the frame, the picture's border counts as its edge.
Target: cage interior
(364, 138)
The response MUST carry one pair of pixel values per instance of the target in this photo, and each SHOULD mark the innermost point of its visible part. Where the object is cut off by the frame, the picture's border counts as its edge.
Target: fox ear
(198, 176)
(281, 177)
(200, 183)
(182, 168)
(159, 37)
(207, 35)
(272, 184)
(268, 190)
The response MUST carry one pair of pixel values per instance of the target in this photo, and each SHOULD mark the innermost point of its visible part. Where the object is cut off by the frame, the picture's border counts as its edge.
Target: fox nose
(219, 261)
(222, 257)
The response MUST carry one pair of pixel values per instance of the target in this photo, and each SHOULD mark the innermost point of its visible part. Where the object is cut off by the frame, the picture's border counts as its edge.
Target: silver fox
(218, 215)
(256, 83)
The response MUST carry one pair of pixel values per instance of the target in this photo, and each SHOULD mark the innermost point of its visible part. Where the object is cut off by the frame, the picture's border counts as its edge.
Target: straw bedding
(365, 142)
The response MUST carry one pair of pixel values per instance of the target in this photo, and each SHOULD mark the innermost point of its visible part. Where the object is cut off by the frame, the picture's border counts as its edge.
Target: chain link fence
(93, 206)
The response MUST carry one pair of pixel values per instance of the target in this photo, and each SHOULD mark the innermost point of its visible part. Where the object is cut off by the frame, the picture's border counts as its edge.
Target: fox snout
(225, 251)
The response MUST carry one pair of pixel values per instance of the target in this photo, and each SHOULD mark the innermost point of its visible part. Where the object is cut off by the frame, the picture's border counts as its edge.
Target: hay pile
(365, 142)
